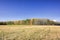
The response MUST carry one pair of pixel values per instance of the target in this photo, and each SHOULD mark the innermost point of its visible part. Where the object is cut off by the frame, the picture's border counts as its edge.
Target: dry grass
(29, 32)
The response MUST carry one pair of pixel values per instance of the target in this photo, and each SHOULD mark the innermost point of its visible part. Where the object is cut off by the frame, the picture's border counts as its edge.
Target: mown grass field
(29, 32)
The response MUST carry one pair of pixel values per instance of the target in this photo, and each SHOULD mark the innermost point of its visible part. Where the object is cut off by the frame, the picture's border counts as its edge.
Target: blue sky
(24, 9)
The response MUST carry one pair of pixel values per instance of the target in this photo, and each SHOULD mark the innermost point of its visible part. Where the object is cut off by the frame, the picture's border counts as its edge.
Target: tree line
(30, 22)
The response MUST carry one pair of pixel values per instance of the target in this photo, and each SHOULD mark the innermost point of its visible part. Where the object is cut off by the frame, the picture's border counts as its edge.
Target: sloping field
(29, 32)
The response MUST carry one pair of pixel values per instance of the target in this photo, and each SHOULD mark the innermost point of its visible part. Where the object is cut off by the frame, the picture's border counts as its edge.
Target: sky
(26, 9)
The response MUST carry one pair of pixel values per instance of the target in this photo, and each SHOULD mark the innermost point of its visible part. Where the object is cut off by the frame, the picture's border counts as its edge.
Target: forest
(31, 22)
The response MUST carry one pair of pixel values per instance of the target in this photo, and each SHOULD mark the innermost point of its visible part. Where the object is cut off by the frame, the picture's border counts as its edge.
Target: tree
(10, 23)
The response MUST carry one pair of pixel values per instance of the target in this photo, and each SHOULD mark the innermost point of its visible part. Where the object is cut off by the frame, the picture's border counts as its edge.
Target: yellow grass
(29, 32)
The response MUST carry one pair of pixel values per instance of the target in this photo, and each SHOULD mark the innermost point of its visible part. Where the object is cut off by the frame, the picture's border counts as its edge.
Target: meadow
(29, 32)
